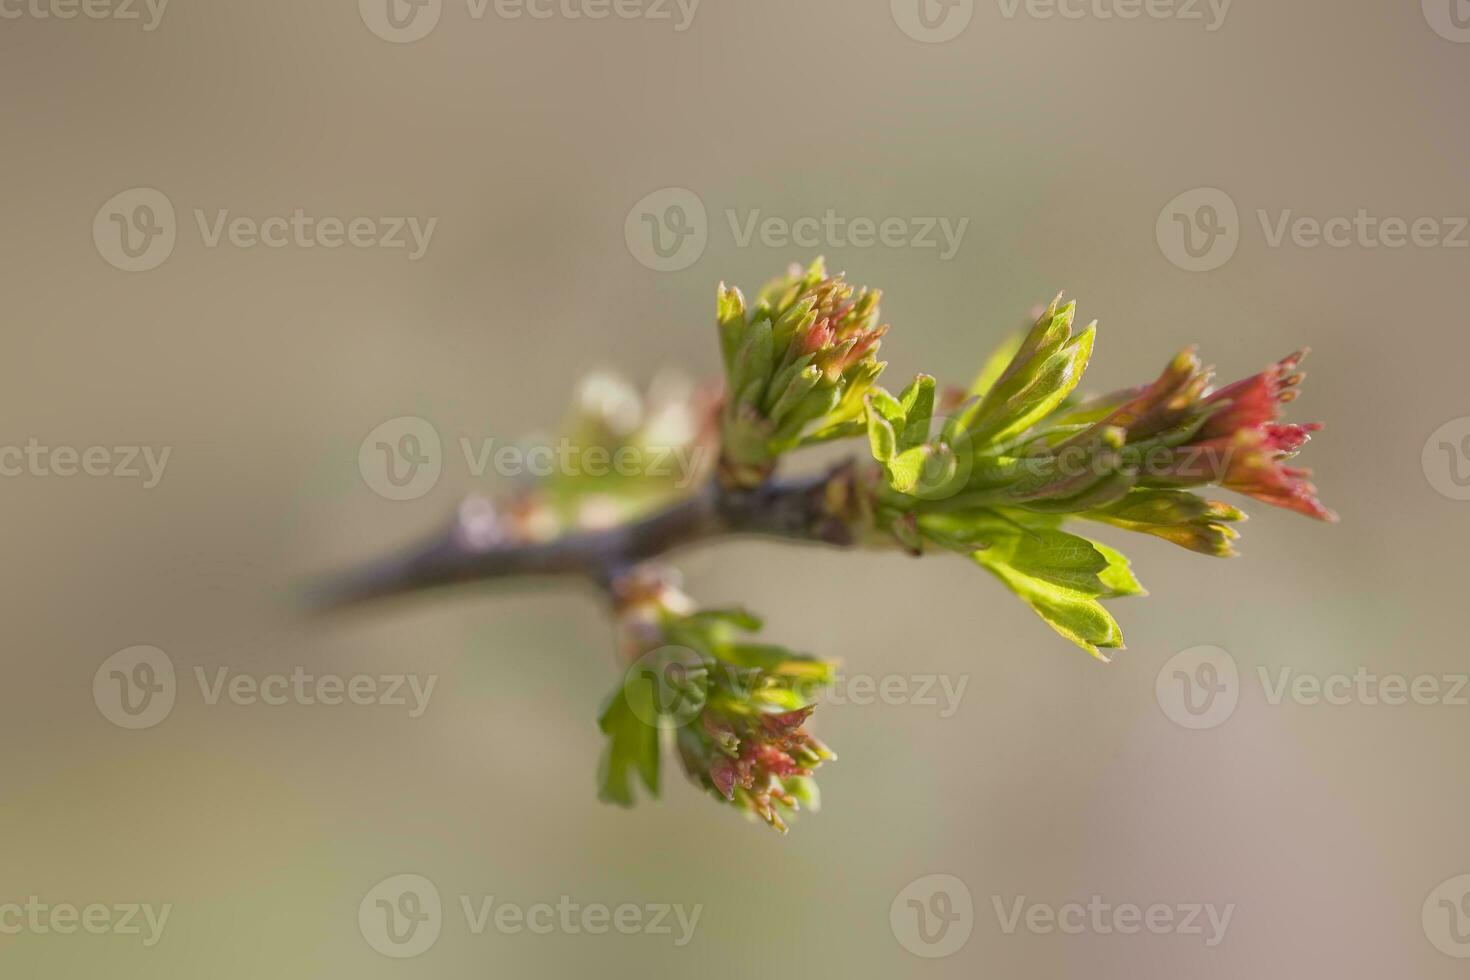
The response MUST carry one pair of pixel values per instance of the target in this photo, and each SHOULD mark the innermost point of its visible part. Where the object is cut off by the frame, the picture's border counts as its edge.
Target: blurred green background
(1059, 778)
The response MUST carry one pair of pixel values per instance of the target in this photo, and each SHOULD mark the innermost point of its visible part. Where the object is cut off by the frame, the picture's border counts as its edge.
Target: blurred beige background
(1326, 827)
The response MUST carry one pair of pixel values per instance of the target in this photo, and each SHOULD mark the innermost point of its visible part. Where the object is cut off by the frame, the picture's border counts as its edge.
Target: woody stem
(468, 552)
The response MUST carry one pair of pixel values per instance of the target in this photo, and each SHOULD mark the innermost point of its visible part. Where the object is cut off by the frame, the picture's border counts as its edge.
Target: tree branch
(470, 551)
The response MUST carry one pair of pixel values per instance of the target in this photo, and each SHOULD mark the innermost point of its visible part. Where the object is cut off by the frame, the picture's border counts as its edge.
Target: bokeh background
(1059, 778)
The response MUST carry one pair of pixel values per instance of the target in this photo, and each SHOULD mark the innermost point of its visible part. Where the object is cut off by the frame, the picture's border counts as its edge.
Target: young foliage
(796, 367)
(1017, 458)
(993, 472)
(1007, 473)
(737, 708)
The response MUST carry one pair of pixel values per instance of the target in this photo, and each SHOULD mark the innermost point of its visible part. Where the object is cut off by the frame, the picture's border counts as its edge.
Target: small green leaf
(1078, 618)
(1176, 516)
(632, 746)
(797, 390)
(1060, 559)
(1118, 576)
(774, 659)
(730, 316)
(818, 403)
(1029, 395)
(917, 402)
(794, 323)
(881, 402)
(784, 377)
(881, 439)
(906, 470)
(846, 419)
(753, 362)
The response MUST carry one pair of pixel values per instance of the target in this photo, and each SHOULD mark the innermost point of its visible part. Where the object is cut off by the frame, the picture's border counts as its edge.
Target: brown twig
(468, 551)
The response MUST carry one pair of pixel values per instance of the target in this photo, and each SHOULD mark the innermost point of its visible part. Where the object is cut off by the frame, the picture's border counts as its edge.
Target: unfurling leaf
(631, 749)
